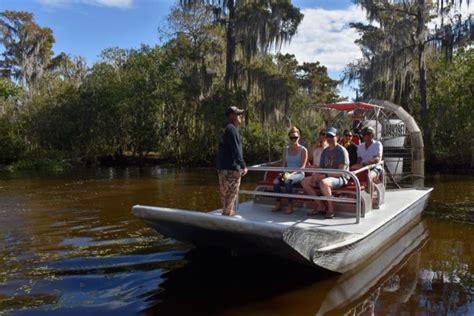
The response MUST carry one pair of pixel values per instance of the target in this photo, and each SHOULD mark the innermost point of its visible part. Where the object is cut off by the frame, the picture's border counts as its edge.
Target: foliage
(452, 99)
(394, 51)
(251, 27)
(45, 165)
(261, 144)
(11, 145)
(27, 47)
(8, 89)
(168, 100)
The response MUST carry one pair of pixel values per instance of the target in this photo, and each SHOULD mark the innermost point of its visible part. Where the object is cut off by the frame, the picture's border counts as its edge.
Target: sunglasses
(294, 137)
(322, 134)
(330, 136)
(348, 135)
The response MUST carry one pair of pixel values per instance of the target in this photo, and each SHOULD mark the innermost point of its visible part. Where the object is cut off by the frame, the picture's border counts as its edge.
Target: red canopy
(348, 106)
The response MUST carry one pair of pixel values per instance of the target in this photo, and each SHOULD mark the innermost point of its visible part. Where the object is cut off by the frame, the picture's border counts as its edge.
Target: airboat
(339, 244)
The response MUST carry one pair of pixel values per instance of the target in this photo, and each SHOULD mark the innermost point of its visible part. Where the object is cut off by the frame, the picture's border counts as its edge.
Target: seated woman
(294, 156)
(318, 148)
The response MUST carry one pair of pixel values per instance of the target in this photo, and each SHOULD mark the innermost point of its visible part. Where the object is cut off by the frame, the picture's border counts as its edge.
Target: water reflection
(70, 245)
(255, 286)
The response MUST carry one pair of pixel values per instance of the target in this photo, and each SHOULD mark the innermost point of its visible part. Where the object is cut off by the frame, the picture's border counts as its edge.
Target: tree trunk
(287, 110)
(472, 154)
(248, 92)
(424, 108)
(230, 49)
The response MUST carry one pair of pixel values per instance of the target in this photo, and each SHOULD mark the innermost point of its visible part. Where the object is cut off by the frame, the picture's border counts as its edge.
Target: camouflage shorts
(229, 183)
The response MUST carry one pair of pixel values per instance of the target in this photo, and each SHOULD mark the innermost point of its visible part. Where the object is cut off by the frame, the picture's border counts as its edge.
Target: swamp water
(69, 245)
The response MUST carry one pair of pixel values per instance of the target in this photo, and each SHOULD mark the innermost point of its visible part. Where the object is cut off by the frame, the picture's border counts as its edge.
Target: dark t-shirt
(352, 149)
(230, 156)
(332, 158)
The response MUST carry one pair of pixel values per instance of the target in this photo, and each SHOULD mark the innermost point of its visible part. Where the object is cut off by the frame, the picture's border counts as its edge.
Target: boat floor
(396, 201)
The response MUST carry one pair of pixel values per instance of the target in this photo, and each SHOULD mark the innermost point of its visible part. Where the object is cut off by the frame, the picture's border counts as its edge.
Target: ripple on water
(458, 211)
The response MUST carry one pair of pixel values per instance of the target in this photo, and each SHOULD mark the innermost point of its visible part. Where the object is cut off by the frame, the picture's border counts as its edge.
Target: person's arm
(344, 165)
(374, 159)
(377, 157)
(358, 164)
(310, 155)
(283, 157)
(304, 157)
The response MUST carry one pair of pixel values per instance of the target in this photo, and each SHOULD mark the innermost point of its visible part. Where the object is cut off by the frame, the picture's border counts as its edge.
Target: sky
(86, 27)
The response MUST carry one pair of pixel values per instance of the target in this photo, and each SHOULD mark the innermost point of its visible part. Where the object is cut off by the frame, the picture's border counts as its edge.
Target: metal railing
(350, 174)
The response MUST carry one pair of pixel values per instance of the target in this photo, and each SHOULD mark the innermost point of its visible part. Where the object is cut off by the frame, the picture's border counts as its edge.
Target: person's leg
(373, 178)
(277, 189)
(235, 191)
(221, 176)
(290, 181)
(308, 185)
(232, 184)
(325, 185)
(289, 190)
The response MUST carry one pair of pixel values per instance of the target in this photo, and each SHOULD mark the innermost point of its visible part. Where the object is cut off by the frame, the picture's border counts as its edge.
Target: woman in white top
(318, 148)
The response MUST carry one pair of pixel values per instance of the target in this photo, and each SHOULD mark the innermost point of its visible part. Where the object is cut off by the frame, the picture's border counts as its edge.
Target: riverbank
(63, 165)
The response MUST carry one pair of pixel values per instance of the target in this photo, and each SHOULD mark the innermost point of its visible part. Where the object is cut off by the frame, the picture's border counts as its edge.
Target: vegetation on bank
(170, 98)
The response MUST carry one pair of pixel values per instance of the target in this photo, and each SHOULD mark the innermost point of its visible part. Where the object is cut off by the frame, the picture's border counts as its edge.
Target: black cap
(233, 110)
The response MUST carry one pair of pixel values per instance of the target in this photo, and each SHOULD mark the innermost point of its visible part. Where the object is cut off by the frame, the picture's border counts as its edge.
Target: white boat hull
(337, 244)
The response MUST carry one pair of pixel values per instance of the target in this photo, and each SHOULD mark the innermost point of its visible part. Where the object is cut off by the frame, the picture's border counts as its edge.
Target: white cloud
(123, 4)
(325, 36)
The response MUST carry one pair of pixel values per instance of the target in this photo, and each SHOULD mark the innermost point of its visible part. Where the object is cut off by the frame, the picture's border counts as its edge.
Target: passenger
(368, 153)
(294, 156)
(317, 149)
(350, 147)
(333, 157)
(357, 134)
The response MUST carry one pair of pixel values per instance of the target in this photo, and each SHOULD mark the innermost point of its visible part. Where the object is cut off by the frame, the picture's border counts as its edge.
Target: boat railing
(348, 174)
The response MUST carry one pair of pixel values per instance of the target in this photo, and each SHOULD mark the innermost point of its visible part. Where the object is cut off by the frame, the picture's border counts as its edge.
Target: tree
(66, 67)
(395, 52)
(451, 95)
(252, 25)
(196, 46)
(27, 48)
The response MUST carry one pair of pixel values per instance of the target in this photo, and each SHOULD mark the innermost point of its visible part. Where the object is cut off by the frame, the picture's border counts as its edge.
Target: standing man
(230, 161)
(334, 156)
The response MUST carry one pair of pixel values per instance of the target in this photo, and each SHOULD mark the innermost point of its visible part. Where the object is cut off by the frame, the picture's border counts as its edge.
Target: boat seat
(344, 191)
(379, 187)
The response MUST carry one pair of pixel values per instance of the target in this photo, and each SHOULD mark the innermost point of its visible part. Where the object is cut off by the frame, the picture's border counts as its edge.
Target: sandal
(329, 215)
(316, 212)
(277, 208)
(289, 210)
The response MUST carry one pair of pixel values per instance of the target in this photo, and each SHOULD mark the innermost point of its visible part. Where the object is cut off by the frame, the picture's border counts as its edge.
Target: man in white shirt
(368, 153)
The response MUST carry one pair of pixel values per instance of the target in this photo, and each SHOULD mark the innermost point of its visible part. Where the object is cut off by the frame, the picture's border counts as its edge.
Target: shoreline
(108, 162)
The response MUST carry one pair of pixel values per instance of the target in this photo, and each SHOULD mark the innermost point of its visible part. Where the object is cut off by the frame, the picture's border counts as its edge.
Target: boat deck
(336, 244)
(395, 202)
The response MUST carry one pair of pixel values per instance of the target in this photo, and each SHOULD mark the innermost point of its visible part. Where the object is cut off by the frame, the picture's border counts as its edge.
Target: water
(70, 245)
